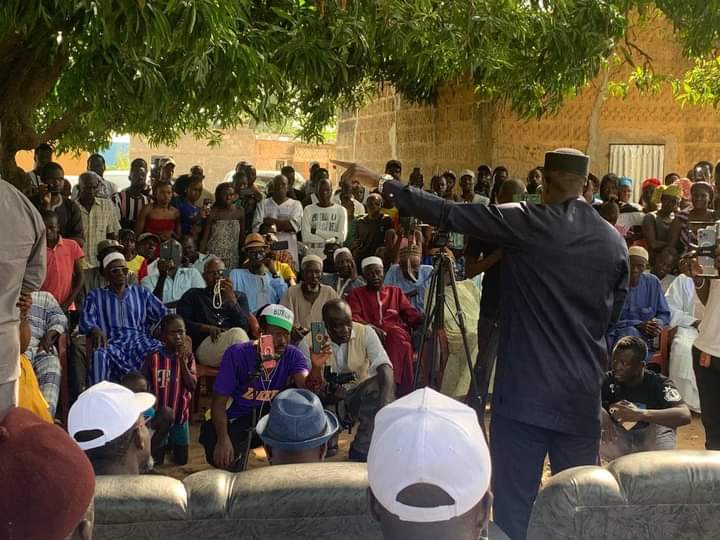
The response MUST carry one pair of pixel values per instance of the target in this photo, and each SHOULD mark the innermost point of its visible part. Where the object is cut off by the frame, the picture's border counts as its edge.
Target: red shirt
(60, 266)
(162, 371)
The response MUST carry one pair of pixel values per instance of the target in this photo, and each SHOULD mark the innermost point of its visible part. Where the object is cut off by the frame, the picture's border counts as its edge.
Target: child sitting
(170, 373)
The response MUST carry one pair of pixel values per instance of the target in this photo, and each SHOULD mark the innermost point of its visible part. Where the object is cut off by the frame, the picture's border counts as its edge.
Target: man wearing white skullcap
(117, 322)
(307, 298)
(388, 310)
(645, 312)
(345, 278)
(564, 283)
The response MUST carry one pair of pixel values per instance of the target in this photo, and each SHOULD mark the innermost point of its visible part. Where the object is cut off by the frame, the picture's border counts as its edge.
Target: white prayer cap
(369, 261)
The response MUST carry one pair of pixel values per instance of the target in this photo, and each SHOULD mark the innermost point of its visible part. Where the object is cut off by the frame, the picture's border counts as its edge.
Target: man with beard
(411, 276)
(216, 315)
(645, 312)
(392, 316)
(225, 434)
(352, 348)
(306, 299)
(107, 422)
(345, 278)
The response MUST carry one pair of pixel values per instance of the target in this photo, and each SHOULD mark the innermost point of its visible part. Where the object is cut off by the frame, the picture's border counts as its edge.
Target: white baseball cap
(109, 408)
(426, 437)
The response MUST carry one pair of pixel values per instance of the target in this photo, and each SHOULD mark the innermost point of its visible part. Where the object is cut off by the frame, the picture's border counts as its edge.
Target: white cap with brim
(428, 438)
(108, 408)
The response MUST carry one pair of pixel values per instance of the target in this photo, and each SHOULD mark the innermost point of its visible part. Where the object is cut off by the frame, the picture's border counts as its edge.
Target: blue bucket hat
(297, 421)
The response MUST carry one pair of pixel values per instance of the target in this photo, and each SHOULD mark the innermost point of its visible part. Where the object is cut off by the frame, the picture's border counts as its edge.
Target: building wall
(73, 165)
(456, 133)
(264, 152)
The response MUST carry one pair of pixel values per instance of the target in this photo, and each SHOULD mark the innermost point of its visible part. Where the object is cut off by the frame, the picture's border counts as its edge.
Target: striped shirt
(138, 311)
(45, 315)
(129, 207)
(98, 223)
(164, 375)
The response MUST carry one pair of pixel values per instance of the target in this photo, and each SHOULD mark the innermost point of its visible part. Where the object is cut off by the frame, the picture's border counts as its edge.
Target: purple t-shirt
(237, 371)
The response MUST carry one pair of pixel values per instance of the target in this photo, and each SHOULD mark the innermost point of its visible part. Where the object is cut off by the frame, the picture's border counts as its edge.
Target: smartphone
(279, 246)
(170, 251)
(318, 336)
(267, 350)
(707, 238)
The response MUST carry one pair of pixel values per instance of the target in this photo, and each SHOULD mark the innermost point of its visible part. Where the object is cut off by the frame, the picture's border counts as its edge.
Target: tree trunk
(10, 171)
(28, 72)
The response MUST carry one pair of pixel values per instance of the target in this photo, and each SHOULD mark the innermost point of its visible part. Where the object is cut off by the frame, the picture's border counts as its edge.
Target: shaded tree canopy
(72, 72)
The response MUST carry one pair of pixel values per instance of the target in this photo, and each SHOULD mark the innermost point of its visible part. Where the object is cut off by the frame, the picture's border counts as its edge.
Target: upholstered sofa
(647, 496)
(650, 496)
(325, 500)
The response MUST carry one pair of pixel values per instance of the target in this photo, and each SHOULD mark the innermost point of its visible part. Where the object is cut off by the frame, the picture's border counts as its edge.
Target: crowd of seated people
(152, 283)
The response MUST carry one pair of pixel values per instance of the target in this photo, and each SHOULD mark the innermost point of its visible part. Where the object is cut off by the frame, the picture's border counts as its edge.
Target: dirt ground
(691, 437)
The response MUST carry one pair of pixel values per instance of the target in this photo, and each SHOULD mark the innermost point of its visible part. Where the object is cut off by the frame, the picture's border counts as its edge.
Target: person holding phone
(256, 281)
(284, 213)
(252, 383)
(216, 315)
(706, 349)
(350, 349)
(172, 280)
(49, 197)
(322, 221)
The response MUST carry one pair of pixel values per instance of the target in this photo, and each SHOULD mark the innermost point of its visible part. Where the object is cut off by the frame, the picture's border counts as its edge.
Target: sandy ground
(691, 437)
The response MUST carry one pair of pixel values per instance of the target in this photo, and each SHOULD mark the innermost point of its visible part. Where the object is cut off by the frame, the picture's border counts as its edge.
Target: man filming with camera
(353, 368)
(706, 349)
(565, 276)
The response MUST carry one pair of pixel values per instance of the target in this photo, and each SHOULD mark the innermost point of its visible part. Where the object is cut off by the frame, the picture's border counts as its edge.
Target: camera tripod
(434, 327)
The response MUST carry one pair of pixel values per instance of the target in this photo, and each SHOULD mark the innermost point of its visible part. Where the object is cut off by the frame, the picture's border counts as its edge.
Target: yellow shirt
(285, 271)
(135, 263)
(30, 396)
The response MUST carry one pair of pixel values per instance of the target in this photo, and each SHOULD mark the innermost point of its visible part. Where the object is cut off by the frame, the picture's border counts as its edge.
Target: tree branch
(57, 127)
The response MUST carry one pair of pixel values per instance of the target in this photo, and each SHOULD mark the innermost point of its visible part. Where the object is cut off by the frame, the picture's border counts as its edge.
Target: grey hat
(297, 421)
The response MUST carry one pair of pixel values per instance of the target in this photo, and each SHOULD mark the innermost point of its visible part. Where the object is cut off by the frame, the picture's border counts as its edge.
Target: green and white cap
(278, 315)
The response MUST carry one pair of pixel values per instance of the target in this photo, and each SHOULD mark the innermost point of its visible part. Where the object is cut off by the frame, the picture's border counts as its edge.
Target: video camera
(335, 380)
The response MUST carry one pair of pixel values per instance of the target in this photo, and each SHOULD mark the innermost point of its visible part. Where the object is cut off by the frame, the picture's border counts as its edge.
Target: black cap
(567, 160)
